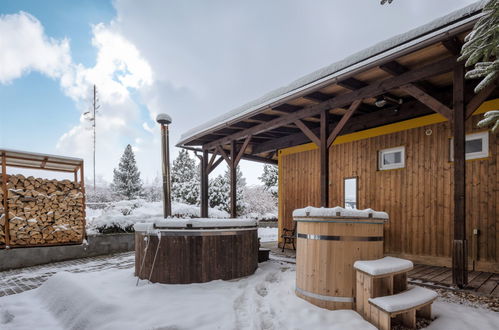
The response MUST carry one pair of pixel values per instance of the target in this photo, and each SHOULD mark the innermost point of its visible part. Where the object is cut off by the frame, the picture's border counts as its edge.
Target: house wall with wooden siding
(418, 197)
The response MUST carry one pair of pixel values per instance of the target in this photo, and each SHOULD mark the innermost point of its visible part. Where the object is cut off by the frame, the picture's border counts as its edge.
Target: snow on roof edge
(332, 70)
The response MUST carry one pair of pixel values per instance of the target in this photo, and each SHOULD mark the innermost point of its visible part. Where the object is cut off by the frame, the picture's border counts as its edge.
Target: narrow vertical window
(350, 193)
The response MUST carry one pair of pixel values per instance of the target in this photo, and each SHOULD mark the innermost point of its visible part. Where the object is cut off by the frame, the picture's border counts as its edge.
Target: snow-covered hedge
(121, 216)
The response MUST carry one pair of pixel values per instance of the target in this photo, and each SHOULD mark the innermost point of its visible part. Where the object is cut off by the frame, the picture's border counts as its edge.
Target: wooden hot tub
(329, 241)
(194, 251)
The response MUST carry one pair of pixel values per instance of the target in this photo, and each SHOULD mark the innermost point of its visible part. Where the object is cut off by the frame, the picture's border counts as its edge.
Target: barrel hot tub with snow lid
(180, 251)
(329, 241)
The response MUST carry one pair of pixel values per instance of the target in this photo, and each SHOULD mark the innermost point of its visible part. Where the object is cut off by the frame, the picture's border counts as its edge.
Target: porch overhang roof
(399, 68)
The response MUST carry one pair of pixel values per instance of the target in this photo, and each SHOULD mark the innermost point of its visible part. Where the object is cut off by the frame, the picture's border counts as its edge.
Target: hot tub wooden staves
(181, 256)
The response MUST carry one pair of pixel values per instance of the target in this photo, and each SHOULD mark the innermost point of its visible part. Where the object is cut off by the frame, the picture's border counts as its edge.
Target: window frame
(484, 136)
(382, 152)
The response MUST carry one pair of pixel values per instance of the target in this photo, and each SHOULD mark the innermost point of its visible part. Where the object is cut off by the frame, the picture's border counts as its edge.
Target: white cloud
(195, 60)
(24, 47)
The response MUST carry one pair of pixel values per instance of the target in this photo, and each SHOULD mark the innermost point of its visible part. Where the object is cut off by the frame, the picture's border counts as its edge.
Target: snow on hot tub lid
(194, 223)
(339, 212)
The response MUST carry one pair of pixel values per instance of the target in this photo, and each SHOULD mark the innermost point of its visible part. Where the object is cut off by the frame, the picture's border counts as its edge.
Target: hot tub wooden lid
(195, 223)
(337, 212)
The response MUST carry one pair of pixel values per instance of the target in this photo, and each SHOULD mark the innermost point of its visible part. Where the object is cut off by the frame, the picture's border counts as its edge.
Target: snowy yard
(109, 299)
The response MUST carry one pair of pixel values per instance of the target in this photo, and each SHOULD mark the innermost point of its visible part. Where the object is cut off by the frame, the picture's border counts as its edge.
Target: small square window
(476, 146)
(392, 158)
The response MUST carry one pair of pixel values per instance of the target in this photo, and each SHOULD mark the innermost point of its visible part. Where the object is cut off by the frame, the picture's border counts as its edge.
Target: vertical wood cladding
(418, 197)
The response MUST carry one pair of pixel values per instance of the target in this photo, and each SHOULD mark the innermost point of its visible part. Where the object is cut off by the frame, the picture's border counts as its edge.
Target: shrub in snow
(126, 179)
(260, 203)
(185, 179)
(119, 217)
(153, 192)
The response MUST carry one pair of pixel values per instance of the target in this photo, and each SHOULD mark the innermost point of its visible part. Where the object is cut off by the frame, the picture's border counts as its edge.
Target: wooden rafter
(212, 159)
(308, 132)
(453, 45)
(215, 164)
(479, 98)
(241, 151)
(371, 90)
(337, 130)
(406, 111)
(427, 100)
(44, 162)
(222, 152)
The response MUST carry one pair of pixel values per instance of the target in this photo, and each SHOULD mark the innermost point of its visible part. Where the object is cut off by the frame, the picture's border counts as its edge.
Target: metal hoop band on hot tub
(324, 298)
(200, 232)
(341, 238)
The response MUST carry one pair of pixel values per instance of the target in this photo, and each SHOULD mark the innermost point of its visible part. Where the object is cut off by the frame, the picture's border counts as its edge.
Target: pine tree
(269, 178)
(481, 47)
(481, 50)
(126, 179)
(185, 179)
(219, 191)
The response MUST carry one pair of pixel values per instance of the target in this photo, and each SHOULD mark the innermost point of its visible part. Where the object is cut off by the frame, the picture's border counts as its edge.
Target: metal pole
(165, 150)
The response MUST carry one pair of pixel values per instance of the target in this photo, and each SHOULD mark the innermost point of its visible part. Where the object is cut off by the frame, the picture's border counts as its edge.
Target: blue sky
(194, 60)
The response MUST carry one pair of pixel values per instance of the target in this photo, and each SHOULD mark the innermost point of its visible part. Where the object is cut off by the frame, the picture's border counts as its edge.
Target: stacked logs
(42, 212)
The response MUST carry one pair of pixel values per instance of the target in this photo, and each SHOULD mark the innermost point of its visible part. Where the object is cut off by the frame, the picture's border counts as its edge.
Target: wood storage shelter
(37, 161)
(402, 102)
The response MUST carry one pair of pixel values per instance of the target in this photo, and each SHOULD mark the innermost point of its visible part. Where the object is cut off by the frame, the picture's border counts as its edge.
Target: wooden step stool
(381, 292)
(404, 304)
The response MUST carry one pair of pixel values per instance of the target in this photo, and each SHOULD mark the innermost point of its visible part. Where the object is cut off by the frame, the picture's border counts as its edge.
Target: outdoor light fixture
(384, 100)
(164, 120)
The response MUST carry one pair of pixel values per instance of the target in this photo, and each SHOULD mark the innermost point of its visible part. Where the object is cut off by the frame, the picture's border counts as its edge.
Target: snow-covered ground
(267, 234)
(109, 299)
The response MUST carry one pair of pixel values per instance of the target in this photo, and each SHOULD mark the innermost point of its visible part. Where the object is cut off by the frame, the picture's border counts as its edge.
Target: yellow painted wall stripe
(389, 129)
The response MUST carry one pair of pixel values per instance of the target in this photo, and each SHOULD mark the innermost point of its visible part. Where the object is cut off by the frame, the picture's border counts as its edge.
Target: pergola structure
(384, 84)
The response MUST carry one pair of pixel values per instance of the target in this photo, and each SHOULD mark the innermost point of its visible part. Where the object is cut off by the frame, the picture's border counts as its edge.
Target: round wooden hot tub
(329, 241)
(195, 251)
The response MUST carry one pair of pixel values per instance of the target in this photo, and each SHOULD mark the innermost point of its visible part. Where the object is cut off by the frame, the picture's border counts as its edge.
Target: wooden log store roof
(22, 159)
(403, 72)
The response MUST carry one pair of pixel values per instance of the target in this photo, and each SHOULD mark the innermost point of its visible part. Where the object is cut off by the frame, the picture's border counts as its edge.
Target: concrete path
(23, 279)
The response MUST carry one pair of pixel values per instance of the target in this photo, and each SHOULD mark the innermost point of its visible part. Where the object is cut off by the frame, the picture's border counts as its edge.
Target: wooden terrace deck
(478, 282)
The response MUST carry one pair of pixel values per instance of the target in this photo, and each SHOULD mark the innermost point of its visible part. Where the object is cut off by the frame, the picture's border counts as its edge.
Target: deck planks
(480, 282)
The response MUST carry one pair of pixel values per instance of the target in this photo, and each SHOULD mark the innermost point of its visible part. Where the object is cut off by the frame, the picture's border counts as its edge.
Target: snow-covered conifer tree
(481, 50)
(269, 178)
(126, 179)
(219, 191)
(185, 179)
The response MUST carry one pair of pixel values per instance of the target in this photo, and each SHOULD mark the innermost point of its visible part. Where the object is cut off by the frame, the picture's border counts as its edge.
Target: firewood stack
(42, 212)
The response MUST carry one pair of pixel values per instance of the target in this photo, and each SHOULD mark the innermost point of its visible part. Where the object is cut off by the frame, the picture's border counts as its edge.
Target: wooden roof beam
(394, 68)
(352, 84)
(428, 100)
(453, 45)
(308, 132)
(407, 111)
(337, 130)
(372, 90)
(318, 97)
(479, 98)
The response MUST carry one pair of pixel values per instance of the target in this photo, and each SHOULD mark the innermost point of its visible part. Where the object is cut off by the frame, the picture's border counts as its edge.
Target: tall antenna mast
(93, 118)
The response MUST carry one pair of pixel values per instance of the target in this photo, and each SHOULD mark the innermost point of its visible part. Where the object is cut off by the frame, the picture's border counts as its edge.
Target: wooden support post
(204, 184)
(233, 179)
(5, 204)
(460, 248)
(324, 159)
(82, 188)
